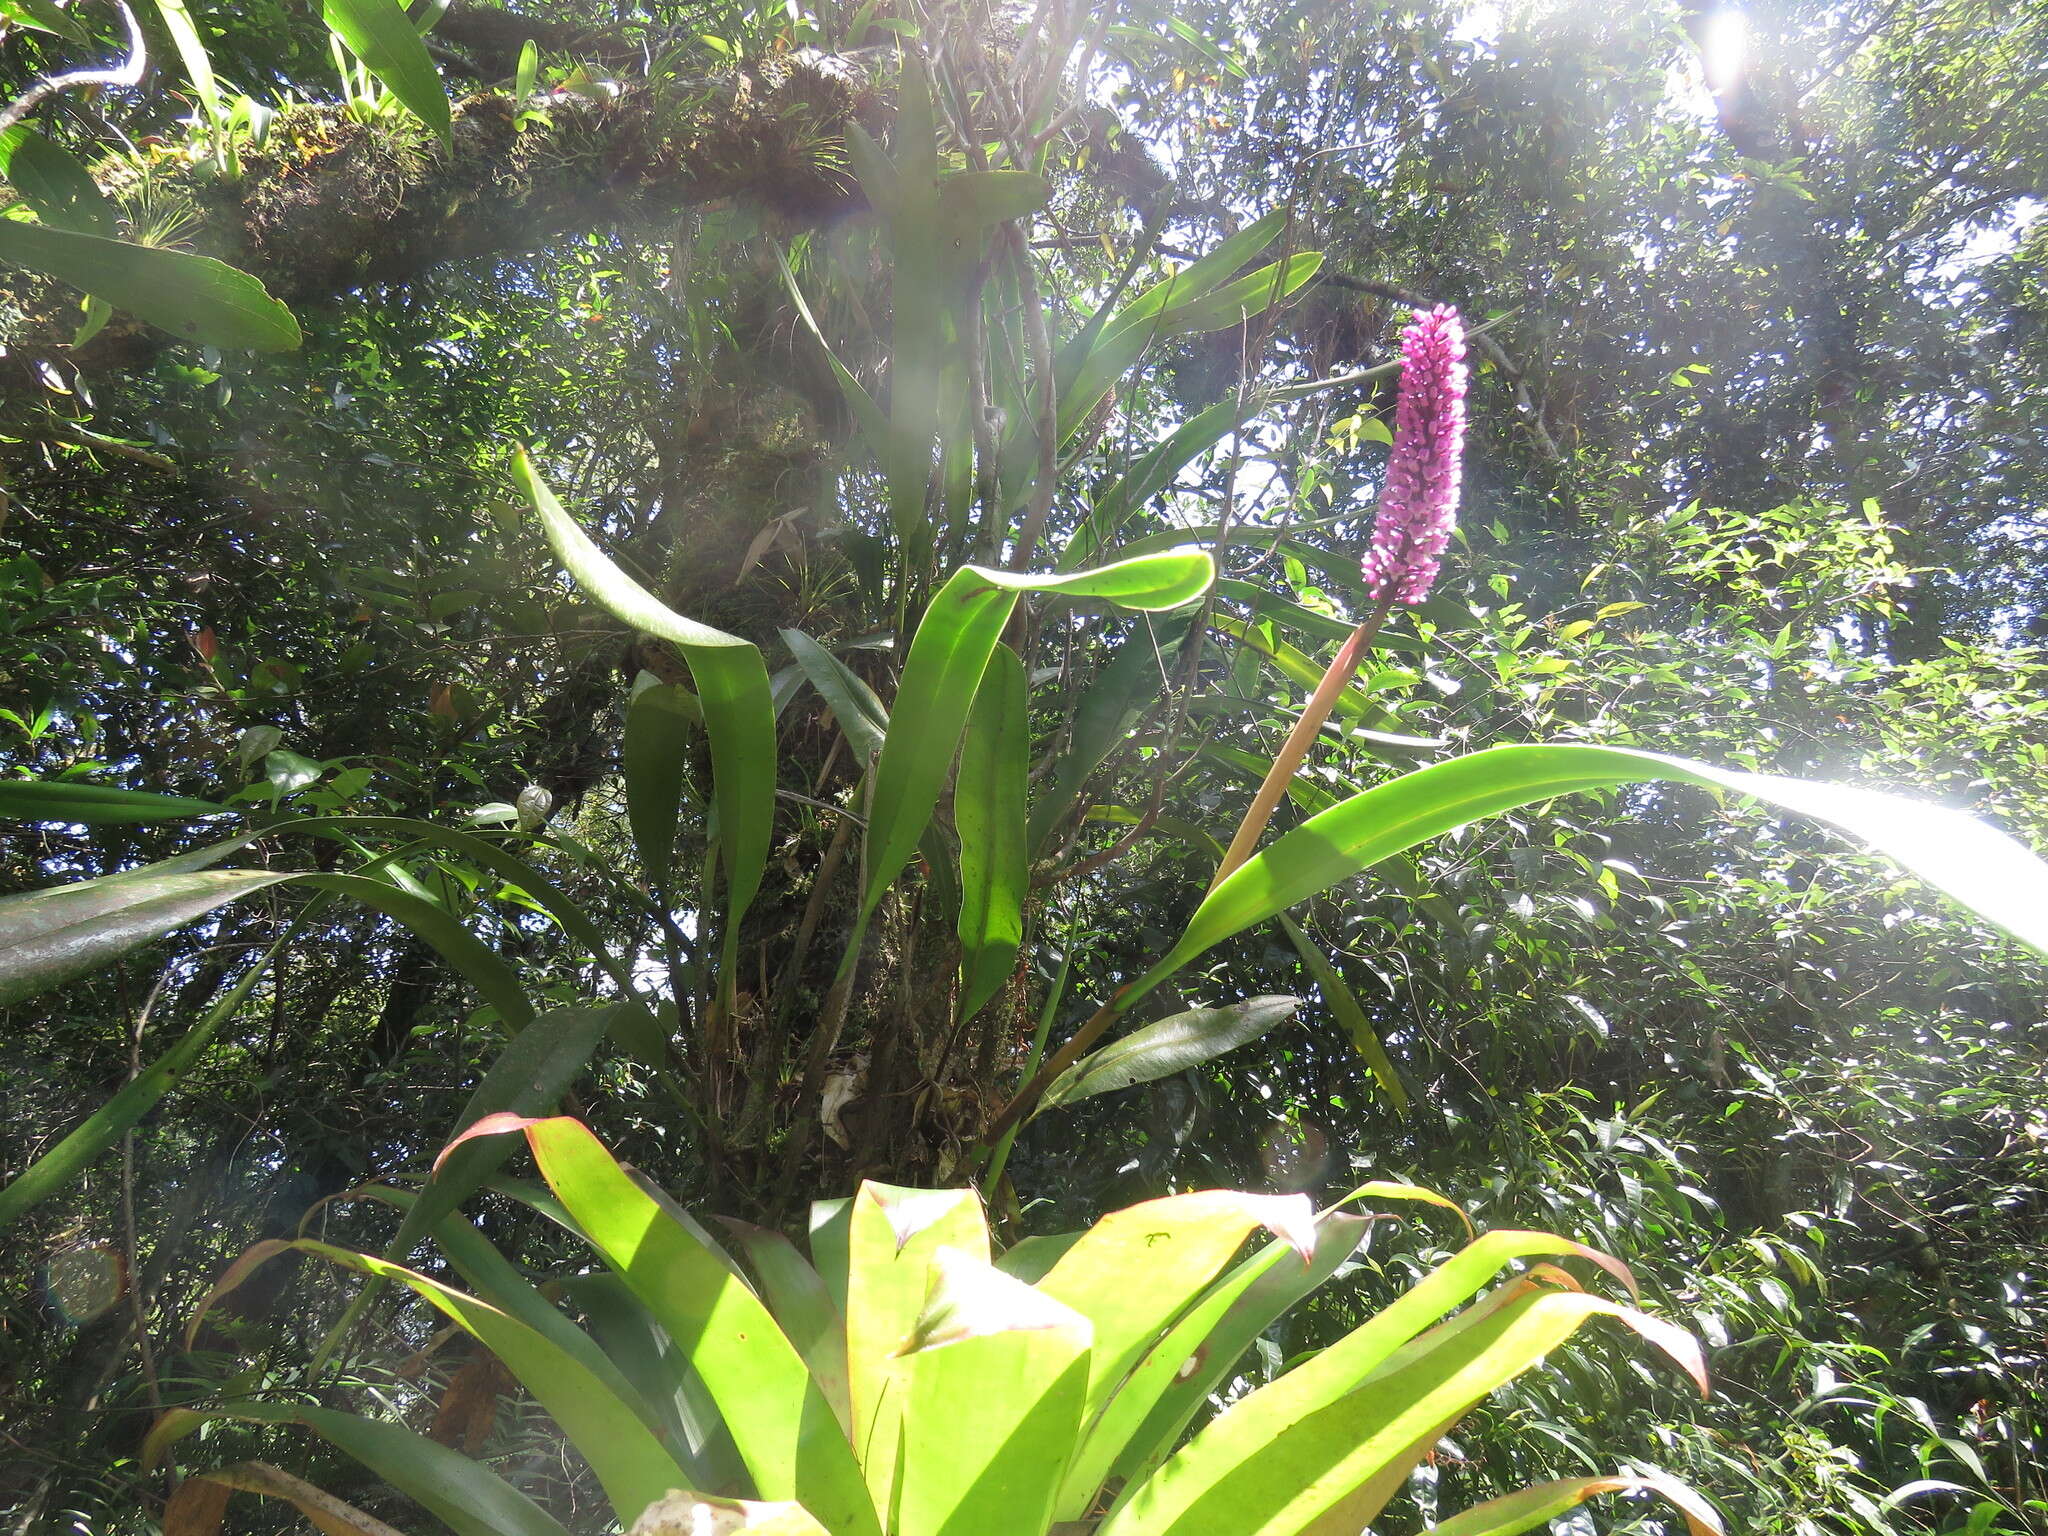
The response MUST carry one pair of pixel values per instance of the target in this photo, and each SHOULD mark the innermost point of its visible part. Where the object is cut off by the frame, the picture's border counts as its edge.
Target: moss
(329, 203)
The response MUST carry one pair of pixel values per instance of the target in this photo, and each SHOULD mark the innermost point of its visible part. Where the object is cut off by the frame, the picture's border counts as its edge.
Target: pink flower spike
(1419, 504)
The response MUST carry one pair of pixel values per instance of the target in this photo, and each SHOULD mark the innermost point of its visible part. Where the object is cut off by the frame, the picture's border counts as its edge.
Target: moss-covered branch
(330, 205)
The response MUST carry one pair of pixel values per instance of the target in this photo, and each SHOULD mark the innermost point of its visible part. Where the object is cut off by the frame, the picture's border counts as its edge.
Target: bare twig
(127, 73)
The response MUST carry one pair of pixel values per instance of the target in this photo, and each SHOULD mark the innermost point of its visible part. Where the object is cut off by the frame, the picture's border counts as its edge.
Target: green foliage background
(1756, 478)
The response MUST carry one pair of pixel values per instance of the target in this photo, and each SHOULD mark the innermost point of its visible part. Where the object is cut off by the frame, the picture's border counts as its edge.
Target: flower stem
(1287, 762)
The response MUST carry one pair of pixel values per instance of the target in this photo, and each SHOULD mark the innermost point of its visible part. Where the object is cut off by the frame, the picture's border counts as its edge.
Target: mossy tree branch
(331, 205)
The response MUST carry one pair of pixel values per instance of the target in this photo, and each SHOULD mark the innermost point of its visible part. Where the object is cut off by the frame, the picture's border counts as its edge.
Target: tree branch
(127, 73)
(331, 205)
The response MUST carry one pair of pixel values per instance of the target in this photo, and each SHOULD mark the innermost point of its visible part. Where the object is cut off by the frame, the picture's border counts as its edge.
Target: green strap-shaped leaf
(988, 813)
(1179, 1244)
(1331, 1467)
(661, 1378)
(1331, 1374)
(194, 297)
(829, 1229)
(494, 979)
(1127, 339)
(803, 1308)
(661, 722)
(1171, 1045)
(1110, 702)
(1160, 465)
(892, 1236)
(994, 1376)
(1513, 1513)
(1979, 866)
(786, 1432)
(528, 1078)
(631, 1464)
(95, 805)
(1149, 1414)
(861, 715)
(1343, 1003)
(515, 871)
(378, 33)
(53, 183)
(494, 1278)
(1183, 287)
(107, 1124)
(184, 30)
(732, 688)
(874, 422)
(465, 1495)
(48, 938)
(943, 672)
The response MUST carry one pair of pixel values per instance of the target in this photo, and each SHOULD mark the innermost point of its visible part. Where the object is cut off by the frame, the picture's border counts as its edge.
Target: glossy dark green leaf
(53, 936)
(95, 805)
(1169, 1046)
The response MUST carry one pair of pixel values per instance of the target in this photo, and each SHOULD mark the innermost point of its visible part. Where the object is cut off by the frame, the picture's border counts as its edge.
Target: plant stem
(1287, 762)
